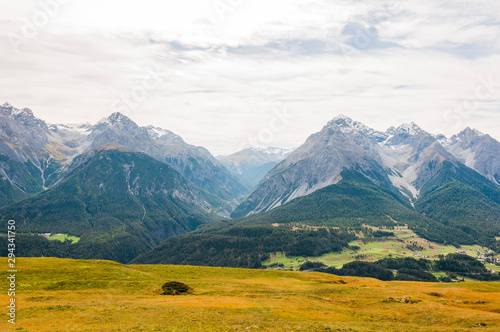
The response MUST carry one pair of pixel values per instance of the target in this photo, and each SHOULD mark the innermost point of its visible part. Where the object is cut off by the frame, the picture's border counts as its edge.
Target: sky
(229, 74)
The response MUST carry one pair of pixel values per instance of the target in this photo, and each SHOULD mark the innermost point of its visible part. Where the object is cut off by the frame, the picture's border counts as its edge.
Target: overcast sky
(226, 74)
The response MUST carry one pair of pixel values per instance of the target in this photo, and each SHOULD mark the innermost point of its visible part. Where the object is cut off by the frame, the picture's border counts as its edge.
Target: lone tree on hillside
(175, 288)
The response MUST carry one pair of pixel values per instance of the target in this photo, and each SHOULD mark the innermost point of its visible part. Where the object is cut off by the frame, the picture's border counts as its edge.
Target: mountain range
(345, 179)
(48, 151)
(143, 194)
(406, 158)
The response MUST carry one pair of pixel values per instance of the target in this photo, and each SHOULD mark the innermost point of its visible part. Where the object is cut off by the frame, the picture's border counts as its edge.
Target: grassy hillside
(80, 295)
(355, 201)
(463, 199)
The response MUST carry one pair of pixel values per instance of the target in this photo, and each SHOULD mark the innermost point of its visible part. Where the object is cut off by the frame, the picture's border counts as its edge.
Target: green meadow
(64, 237)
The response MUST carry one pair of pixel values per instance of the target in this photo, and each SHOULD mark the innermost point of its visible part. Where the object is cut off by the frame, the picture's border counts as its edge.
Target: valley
(141, 195)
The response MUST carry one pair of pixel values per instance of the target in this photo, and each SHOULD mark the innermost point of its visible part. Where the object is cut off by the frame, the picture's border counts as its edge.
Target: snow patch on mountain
(114, 118)
(404, 174)
(163, 134)
(274, 151)
(347, 125)
(80, 128)
(443, 140)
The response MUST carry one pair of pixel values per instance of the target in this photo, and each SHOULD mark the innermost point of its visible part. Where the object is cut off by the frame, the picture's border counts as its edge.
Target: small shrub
(175, 288)
(405, 299)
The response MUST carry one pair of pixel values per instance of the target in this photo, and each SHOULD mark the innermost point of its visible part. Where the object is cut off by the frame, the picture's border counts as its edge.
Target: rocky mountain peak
(7, 105)
(469, 133)
(409, 133)
(15, 112)
(467, 137)
(342, 117)
(75, 127)
(23, 117)
(116, 118)
(22, 113)
(349, 126)
(442, 139)
(478, 151)
(346, 124)
(411, 129)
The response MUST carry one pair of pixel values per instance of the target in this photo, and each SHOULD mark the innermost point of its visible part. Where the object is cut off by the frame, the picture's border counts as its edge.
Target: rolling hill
(83, 295)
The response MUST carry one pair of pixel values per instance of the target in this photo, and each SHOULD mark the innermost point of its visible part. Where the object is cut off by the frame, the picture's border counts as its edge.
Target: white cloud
(222, 78)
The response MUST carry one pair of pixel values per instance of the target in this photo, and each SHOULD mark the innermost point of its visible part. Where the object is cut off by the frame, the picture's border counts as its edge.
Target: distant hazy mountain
(252, 164)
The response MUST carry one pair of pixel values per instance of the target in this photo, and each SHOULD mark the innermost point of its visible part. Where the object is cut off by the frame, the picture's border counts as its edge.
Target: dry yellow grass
(79, 295)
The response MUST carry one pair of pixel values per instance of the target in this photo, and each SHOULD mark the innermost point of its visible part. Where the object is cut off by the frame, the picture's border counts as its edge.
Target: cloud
(218, 76)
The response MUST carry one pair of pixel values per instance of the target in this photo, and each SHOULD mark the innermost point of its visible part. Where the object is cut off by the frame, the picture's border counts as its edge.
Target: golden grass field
(86, 295)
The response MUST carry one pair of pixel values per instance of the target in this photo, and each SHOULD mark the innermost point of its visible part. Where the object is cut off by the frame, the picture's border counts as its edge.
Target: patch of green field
(84, 295)
(63, 237)
(393, 247)
(467, 279)
(439, 274)
(288, 262)
(493, 267)
(443, 274)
